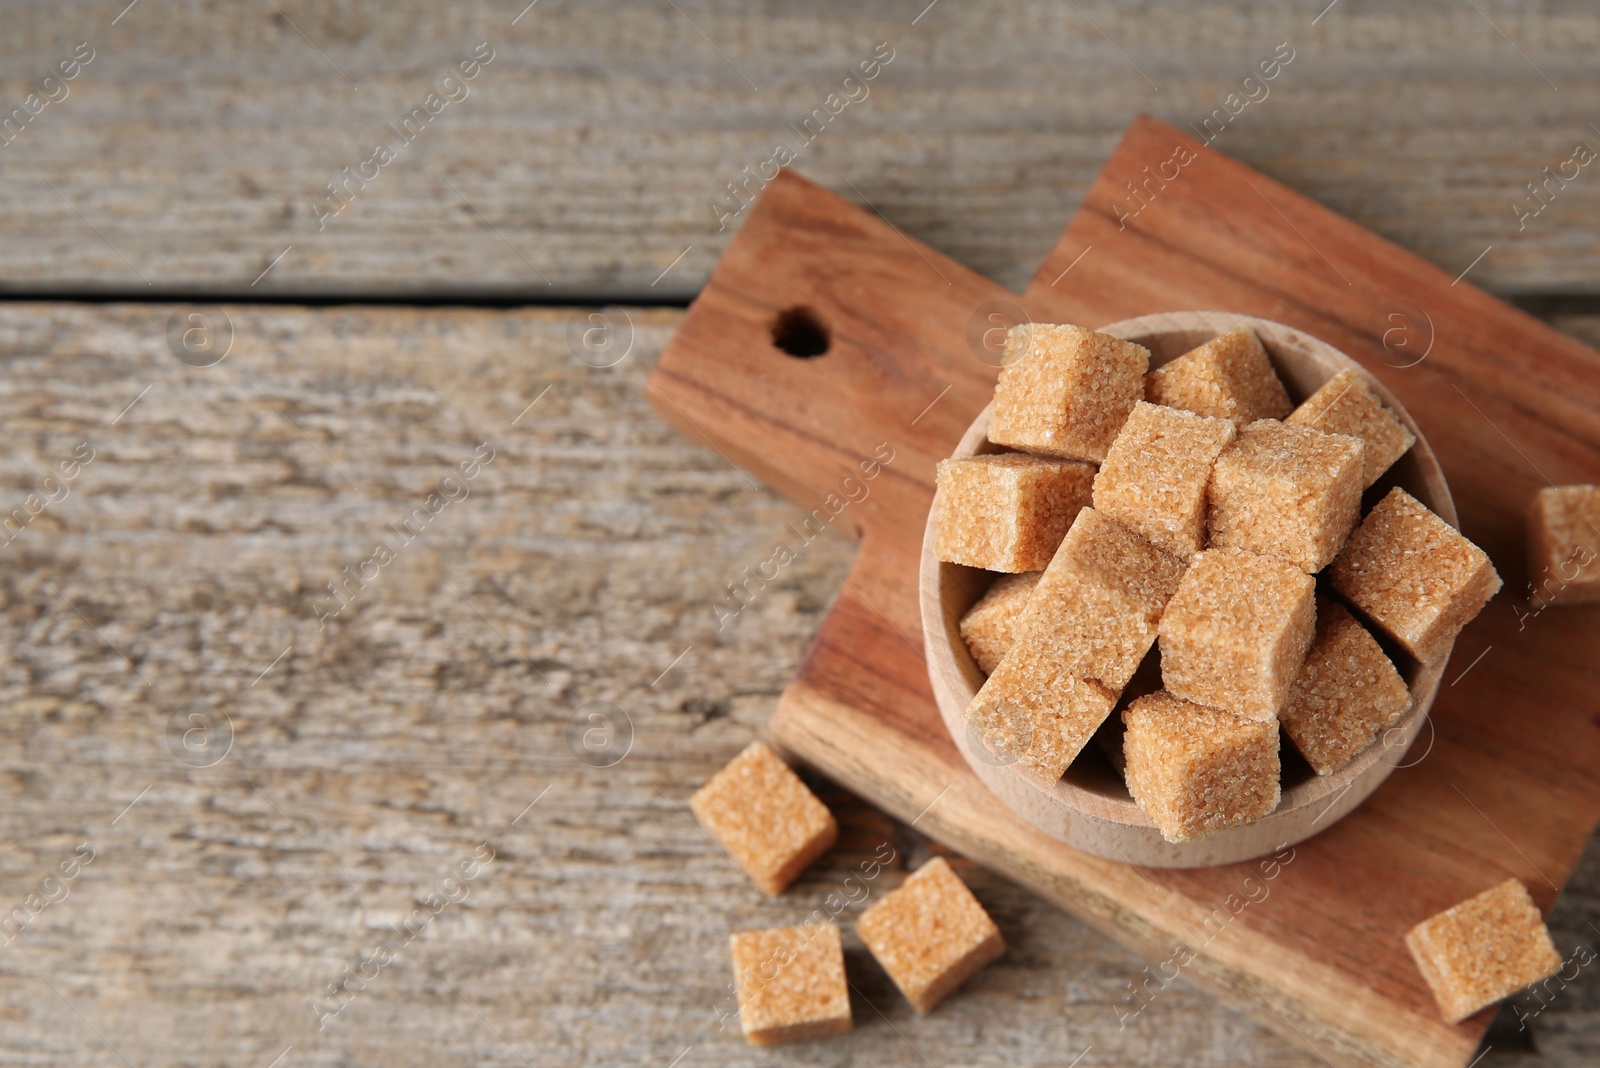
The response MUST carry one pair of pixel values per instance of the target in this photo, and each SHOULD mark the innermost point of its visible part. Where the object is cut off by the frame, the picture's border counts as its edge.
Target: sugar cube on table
(993, 623)
(1008, 511)
(1414, 575)
(1229, 377)
(790, 983)
(1347, 691)
(1196, 770)
(1489, 946)
(1347, 405)
(1564, 545)
(1286, 491)
(1064, 391)
(1236, 632)
(1155, 475)
(766, 819)
(930, 934)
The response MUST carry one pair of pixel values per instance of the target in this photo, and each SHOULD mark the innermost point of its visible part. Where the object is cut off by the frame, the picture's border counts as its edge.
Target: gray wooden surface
(573, 576)
(264, 794)
(193, 149)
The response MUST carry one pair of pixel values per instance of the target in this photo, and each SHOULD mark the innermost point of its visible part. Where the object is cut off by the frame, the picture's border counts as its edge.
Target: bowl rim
(1049, 804)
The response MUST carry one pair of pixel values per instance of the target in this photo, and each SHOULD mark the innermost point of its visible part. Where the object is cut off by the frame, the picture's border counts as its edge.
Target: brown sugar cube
(1489, 946)
(1064, 391)
(991, 625)
(1229, 377)
(1095, 609)
(930, 934)
(1236, 632)
(1414, 575)
(1007, 512)
(1155, 476)
(762, 814)
(1286, 491)
(1564, 545)
(1090, 621)
(1347, 405)
(1196, 770)
(790, 983)
(1038, 714)
(1347, 692)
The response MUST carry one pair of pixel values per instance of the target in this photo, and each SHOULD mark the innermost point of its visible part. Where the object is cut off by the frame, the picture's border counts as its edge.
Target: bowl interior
(1093, 783)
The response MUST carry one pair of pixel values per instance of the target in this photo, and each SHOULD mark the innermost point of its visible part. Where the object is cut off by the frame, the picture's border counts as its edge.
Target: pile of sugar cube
(929, 934)
(1177, 519)
(1157, 537)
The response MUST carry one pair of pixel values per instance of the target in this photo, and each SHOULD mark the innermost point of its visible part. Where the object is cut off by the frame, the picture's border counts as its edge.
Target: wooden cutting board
(1507, 782)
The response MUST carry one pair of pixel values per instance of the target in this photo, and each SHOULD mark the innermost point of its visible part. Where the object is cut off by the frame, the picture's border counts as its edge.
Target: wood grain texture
(410, 732)
(590, 150)
(1336, 976)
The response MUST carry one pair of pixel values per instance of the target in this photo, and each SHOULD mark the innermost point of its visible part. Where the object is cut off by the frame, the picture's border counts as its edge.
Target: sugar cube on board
(1347, 691)
(1564, 545)
(1196, 770)
(1229, 377)
(1009, 511)
(766, 819)
(790, 983)
(1156, 473)
(1489, 946)
(1414, 575)
(1236, 632)
(1347, 405)
(930, 934)
(993, 623)
(1286, 491)
(1064, 391)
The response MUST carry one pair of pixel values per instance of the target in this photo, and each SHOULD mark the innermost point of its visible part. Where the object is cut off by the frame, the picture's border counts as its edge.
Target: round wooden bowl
(1090, 808)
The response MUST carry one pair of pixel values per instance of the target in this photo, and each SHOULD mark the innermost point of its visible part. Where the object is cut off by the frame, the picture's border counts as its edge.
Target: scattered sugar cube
(1155, 475)
(1064, 391)
(1229, 377)
(762, 814)
(1346, 692)
(1007, 512)
(991, 625)
(930, 934)
(1095, 609)
(1286, 491)
(1236, 632)
(790, 983)
(1489, 946)
(1564, 545)
(1414, 575)
(1196, 770)
(1037, 713)
(1347, 405)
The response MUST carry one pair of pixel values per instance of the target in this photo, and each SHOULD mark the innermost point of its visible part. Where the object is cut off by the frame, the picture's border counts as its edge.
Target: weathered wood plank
(196, 146)
(385, 748)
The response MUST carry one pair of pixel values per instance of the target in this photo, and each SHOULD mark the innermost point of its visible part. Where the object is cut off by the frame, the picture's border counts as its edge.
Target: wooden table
(269, 775)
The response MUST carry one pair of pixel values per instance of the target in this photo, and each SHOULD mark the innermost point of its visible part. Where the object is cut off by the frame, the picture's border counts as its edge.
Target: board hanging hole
(798, 332)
